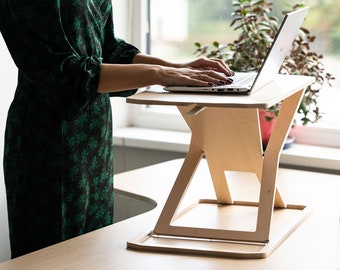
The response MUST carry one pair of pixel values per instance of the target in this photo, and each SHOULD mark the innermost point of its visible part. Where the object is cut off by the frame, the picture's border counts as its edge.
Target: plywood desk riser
(225, 129)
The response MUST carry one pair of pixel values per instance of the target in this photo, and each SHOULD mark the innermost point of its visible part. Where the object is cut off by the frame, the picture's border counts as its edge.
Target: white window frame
(131, 25)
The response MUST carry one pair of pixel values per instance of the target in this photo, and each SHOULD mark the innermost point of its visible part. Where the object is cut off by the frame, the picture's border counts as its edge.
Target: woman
(58, 142)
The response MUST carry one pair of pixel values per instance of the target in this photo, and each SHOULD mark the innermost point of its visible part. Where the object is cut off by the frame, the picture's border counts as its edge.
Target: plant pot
(267, 127)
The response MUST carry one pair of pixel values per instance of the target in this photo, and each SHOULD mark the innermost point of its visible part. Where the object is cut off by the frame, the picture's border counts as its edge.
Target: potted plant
(257, 27)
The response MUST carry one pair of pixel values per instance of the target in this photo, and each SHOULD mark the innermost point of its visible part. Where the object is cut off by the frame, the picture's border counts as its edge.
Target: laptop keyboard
(243, 78)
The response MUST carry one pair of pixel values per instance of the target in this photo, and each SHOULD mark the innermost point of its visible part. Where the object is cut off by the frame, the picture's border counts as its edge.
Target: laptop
(250, 82)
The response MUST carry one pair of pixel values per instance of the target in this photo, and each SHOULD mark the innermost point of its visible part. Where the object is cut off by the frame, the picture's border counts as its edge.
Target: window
(175, 25)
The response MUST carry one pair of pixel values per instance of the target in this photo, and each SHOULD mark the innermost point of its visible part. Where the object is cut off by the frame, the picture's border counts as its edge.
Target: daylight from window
(177, 24)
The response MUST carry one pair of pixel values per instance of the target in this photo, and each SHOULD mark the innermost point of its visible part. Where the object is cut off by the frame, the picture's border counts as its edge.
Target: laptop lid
(271, 64)
(280, 47)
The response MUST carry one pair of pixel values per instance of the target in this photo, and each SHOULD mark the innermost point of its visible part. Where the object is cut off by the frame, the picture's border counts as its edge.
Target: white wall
(8, 77)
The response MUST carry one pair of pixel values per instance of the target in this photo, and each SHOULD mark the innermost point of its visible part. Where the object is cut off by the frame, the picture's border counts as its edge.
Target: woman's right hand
(192, 77)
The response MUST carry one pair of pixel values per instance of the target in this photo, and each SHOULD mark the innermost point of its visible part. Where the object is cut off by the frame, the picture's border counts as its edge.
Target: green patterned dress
(58, 143)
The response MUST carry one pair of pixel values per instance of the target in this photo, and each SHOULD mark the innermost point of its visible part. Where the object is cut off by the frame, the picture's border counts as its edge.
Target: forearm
(147, 59)
(120, 77)
(144, 70)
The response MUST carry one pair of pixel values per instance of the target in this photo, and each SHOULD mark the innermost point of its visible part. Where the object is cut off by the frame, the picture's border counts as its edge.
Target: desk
(225, 129)
(314, 245)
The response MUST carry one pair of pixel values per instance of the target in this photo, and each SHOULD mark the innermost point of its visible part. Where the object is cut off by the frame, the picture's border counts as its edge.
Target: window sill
(302, 156)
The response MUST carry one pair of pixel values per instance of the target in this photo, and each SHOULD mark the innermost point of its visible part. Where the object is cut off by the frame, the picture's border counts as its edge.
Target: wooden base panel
(284, 222)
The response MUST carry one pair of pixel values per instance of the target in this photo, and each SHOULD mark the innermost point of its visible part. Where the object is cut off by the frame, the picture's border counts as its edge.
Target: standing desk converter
(225, 130)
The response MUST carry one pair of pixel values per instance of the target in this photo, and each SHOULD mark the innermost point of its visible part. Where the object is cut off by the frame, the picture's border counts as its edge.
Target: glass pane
(177, 24)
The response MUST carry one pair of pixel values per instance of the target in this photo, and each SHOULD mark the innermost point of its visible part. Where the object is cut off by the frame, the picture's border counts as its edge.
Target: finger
(220, 66)
(217, 75)
(211, 64)
(213, 78)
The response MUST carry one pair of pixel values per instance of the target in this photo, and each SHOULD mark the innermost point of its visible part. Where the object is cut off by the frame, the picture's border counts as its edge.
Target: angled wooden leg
(183, 180)
(269, 193)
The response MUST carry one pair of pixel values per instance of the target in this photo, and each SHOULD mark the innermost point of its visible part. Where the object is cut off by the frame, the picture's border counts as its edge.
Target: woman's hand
(215, 64)
(195, 75)
(200, 72)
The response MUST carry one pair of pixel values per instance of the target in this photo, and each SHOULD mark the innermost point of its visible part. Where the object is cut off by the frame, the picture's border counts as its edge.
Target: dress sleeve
(122, 53)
